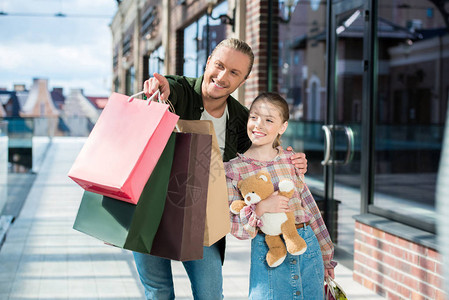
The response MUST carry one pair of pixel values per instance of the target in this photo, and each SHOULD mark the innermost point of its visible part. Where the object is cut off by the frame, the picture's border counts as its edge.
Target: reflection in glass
(156, 61)
(130, 78)
(413, 84)
(196, 41)
(301, 79)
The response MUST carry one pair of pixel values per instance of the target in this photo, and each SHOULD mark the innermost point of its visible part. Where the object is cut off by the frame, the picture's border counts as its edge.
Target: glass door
(302, 82)
(317, 42)
(342, 155)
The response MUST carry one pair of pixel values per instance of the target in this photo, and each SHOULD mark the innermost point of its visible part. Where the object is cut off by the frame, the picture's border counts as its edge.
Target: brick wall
(394, 267)
(256, 37)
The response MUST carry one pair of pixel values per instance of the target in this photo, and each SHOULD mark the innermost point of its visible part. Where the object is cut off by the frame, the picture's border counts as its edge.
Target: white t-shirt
(219, 126)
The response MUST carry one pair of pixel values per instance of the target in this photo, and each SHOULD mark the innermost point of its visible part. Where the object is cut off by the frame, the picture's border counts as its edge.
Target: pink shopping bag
(123, 147)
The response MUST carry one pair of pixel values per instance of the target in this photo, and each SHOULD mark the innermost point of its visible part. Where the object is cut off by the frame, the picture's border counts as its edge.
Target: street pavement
(42, 257)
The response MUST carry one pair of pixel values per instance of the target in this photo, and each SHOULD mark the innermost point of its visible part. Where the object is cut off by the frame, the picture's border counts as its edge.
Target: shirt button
(295, 277)
(298, 293)
(293, 262)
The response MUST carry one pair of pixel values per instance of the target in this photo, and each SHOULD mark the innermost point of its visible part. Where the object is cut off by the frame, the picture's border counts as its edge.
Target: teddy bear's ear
(239, 184)
(263, 177)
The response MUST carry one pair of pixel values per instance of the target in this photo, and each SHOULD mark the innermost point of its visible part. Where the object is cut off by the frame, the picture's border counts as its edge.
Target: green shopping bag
(124, 224)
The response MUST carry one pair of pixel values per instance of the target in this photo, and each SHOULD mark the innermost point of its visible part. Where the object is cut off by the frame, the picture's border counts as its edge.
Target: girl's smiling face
(265, 123)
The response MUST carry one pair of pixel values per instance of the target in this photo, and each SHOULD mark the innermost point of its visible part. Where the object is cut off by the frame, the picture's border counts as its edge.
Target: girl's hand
(329, 272)
(158, 82)
(299, 161)
(275, 203)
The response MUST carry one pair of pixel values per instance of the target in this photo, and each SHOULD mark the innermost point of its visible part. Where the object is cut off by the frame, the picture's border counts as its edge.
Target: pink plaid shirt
(245, 225)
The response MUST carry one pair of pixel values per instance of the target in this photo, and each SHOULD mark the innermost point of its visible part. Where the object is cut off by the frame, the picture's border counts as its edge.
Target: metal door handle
(350, 150)
(327, 145)
(328, 137)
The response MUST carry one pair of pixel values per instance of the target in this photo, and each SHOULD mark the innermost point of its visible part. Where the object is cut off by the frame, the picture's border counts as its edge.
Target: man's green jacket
(185, 95)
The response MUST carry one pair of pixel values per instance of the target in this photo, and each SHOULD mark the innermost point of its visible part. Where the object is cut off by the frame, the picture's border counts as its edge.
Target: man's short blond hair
(240, 46)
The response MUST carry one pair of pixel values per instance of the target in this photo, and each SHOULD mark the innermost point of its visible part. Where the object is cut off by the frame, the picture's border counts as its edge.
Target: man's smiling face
(226, 70)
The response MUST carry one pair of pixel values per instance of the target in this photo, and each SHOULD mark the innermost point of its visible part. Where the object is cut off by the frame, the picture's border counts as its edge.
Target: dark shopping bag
(124, 224)
(180, 235)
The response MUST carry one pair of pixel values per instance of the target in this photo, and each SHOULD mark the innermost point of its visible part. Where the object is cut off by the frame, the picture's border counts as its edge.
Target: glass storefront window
(413, 81)
(301, 80)
(156, 61)
(326, 91)
(196, 40)
(130, 78)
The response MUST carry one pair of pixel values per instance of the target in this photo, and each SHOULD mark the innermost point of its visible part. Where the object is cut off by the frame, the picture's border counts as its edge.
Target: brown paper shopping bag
(217, 213)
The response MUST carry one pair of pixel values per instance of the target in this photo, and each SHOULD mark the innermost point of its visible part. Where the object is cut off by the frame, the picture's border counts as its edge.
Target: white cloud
(69, 52)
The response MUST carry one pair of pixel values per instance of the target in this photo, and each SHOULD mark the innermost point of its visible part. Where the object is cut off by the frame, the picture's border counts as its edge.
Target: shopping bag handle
(332, 286)
(158, 94)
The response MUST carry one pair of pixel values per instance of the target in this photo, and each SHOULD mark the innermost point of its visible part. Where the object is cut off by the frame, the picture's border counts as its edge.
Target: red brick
(368, 284)
(418, 248)
(418, 272)
(440, 295)
(379, 255)
(367, 229)
(356, 277)
(404, 266)
(396, 276)
(392, 296)
(411, 257)
(380, 291)
(404, 291)
(404, 243)
(427, 264)
(358, 236)
(411, 282)
(416, 296)
(378, 233)
(389, 260)
(433, 254)
(397, 252)
(358, 256)
(434, 280)
(383, 246)
(427, 290)
(390, 284)
(391, 238)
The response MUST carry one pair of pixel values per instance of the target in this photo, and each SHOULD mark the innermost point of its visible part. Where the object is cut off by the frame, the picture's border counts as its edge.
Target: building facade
(368, 86)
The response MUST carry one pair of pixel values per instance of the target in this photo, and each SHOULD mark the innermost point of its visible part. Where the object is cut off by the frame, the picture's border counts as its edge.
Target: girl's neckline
(276, 157)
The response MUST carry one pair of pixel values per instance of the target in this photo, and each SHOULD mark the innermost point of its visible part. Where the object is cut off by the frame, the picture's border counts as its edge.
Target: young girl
(299, 276)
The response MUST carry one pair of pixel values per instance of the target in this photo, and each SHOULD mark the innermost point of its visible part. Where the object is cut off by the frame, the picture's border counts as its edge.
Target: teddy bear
(256, 188)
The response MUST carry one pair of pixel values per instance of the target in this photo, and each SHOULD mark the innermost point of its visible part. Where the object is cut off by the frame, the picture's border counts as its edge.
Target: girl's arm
(273, 204)
(319, 227)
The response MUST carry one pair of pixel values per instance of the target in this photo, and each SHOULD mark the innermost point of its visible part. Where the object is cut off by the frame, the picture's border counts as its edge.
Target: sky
(71, 52)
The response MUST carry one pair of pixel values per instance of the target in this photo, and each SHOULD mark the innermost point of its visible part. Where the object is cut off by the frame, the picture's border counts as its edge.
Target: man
(206, 98)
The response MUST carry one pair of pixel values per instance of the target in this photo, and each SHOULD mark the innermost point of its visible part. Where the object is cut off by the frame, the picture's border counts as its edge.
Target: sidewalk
(44, 258)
